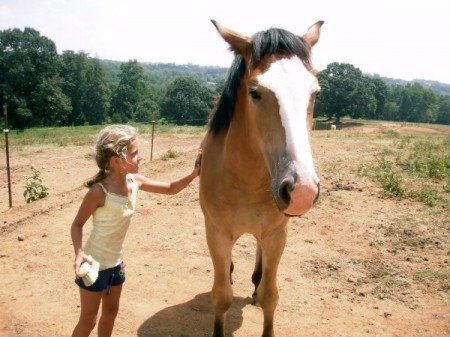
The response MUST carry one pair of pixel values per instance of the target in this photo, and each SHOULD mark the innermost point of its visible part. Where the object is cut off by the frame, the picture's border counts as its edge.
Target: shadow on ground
(194, 318)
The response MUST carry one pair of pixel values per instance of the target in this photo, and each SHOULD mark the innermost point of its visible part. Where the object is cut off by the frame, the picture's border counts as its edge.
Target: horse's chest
(242, 210)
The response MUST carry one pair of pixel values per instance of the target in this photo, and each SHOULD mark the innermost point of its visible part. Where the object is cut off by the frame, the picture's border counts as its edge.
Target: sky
(392, 38)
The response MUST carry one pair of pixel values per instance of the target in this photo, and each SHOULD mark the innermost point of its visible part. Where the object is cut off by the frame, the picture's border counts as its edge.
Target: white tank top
(110, 225)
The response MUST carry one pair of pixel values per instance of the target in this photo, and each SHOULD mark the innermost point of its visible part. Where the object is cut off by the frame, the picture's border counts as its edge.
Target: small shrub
(392, 134)
(34, 189)
(428, 159)
(428, 196)
(376, 243)
(446, 187)
(170, 154)
(390, 180)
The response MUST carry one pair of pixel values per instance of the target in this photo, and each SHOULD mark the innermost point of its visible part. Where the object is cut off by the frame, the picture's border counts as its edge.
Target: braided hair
(112, 141)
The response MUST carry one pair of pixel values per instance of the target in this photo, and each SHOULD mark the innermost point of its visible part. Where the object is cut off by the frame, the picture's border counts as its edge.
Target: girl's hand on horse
(198, 162)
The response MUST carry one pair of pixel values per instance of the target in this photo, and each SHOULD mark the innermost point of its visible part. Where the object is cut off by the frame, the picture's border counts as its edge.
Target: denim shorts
(106, 278)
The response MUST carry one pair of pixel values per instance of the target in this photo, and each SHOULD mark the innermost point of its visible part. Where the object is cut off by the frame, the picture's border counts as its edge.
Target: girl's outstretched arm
(173, 187)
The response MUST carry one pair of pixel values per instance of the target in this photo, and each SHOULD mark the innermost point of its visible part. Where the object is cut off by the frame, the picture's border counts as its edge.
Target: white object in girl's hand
(89, 271)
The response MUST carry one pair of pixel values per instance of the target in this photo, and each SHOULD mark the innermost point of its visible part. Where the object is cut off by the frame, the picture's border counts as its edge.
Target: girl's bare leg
(90, 302)
(110, 308)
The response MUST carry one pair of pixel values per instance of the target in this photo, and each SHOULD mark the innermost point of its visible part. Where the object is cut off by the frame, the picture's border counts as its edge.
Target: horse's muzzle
(296, 198)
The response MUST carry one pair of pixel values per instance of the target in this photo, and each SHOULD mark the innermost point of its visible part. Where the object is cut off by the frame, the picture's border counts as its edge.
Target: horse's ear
(238, 43)
(313, 33)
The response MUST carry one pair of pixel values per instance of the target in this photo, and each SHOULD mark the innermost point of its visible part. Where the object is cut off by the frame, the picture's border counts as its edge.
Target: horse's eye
(254, 94)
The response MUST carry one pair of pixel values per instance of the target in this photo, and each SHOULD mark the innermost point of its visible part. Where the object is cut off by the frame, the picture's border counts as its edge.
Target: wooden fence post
(6, 131)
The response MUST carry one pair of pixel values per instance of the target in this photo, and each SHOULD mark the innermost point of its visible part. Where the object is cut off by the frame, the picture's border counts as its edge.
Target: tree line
(42, 88)
(345, 91)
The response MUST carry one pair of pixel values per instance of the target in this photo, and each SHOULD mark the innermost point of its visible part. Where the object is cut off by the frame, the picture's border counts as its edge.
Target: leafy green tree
(380, 92)
(364, 103)
(130, 90)
(85, 84)
(74, 72)
(443, 116)
(97, 95)
(220, 86)
(29, 64)
(50, 106)
(391, 111)
(187, 102)
(344, 92)
(146, 110)
(416, 103)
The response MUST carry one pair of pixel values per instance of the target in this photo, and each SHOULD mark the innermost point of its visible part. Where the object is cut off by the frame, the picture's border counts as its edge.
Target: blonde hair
(112, 141)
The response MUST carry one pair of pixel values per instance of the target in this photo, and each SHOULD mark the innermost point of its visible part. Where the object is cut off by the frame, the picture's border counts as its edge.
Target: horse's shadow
(194, 318)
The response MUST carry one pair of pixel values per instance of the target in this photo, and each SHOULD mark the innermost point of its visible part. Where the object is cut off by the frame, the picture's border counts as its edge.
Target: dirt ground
(346, 270)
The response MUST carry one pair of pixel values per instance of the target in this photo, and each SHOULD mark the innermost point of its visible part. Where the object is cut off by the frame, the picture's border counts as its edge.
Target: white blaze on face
(293, 85)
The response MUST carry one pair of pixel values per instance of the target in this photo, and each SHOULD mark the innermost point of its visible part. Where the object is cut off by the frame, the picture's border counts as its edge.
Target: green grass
(386, 278)
(416, 168)
(62, 136)
(441, 278)
(83, 135)
(391, 134)
(165, 128)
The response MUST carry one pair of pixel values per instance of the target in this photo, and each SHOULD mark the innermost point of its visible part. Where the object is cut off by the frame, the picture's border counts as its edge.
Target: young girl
(111, 200)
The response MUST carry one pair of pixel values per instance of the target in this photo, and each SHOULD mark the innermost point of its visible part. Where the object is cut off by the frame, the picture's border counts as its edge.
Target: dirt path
(345, 272)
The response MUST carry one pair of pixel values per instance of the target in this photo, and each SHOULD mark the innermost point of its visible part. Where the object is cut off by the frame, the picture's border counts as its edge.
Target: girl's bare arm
(93, 199)
(173, 187)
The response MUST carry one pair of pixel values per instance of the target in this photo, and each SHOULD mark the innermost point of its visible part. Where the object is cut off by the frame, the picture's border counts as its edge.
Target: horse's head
(275, 75)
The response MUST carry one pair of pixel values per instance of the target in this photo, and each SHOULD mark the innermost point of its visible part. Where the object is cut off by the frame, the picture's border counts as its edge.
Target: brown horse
(257, 167)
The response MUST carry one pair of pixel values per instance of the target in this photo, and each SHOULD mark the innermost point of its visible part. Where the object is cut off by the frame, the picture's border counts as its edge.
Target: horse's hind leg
(220, 246)
(272, 249)
(231, 272)
(257, 272)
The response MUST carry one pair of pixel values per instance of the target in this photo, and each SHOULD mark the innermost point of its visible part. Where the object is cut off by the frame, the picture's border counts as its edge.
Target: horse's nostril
(286, 187)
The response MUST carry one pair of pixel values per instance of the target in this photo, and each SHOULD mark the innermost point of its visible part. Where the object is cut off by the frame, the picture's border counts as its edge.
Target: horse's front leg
(220, 246)
(272, 248)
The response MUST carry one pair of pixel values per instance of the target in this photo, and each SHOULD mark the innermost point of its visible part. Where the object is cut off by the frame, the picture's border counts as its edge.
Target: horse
(257, 166)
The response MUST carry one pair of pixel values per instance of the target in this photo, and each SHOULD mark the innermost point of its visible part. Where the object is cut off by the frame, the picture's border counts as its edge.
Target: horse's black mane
(269, 42)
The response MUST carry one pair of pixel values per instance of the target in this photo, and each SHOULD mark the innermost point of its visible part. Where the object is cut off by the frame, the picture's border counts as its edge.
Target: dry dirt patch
(346, 270)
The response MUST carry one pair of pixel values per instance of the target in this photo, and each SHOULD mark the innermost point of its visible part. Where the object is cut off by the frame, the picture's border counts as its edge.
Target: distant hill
(438, 87)
(161, 74)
